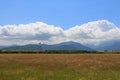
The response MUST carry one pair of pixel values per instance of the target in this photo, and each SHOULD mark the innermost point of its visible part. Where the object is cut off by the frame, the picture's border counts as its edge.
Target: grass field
(59, 66)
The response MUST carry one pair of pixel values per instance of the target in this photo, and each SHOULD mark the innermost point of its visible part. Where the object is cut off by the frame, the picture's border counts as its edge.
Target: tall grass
(60, 67)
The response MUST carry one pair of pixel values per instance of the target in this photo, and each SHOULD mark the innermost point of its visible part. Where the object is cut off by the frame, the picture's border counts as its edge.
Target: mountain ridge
(61, 46)
(70, 45)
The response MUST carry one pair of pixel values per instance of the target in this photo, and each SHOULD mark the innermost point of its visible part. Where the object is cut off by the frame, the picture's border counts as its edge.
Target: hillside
(61, 46)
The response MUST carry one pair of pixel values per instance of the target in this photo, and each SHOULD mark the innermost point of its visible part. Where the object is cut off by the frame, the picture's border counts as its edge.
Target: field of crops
(59, 66)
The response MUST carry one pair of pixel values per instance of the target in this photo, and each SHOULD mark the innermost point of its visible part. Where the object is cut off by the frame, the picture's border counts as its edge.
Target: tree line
(45, 51)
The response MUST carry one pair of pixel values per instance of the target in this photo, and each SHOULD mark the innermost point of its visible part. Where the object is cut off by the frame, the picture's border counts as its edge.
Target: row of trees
(45, 51)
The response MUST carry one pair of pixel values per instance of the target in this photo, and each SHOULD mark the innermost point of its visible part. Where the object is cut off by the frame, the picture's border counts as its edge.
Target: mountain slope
(72, 46)
(62, 46)
(1, 47)
(109, 45)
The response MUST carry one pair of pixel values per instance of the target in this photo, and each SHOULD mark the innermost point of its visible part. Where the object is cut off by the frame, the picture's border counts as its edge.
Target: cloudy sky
(53, 21)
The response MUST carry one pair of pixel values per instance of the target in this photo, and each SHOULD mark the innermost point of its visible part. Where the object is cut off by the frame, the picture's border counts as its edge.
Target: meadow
(60, 66)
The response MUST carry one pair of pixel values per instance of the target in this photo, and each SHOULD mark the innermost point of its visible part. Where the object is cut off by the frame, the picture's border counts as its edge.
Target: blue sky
(63, 13)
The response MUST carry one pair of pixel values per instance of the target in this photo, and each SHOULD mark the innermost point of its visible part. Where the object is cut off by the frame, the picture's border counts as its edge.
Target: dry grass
(77, 60)
(81, 66)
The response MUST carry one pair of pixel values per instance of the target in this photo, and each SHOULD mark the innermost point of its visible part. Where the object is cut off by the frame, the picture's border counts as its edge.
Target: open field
(59, 66)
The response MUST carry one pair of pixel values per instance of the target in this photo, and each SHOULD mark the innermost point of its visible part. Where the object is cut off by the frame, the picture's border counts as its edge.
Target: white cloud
(28, 33)
(94, 32)
(89, 33)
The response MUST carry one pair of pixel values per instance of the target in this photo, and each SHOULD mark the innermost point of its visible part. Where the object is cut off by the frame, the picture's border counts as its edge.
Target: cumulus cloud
(94, 32)
(38, 31)
(90, 33)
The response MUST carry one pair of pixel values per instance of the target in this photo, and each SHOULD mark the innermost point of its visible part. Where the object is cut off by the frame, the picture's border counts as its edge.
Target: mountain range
(61, 46)
(109, 45)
